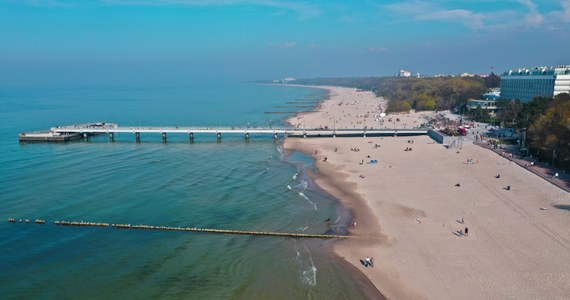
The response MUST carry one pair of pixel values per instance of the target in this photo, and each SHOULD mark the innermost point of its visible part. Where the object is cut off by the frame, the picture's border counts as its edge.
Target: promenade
(540, 169)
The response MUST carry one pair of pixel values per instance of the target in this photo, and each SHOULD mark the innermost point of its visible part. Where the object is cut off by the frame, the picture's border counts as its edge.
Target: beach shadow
(459, 221)
(363, 263)
(562, 206)
(458, 233)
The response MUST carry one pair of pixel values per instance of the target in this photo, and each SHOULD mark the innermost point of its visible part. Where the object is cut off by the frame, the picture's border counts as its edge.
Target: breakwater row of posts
(185, 229)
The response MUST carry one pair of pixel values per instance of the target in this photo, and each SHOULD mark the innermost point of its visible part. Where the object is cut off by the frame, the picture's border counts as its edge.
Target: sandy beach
(518, 241)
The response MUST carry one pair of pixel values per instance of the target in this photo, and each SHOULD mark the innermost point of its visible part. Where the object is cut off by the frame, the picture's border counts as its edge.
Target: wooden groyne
(194, 229)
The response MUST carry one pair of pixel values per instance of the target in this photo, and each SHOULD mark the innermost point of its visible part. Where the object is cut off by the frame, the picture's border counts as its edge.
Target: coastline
(409, 202)
(334, 183)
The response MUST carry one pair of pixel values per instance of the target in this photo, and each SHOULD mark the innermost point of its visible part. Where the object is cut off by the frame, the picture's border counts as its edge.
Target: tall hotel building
(525, 84)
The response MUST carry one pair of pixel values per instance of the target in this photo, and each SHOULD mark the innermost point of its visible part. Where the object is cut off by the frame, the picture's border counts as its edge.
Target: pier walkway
(87, 130)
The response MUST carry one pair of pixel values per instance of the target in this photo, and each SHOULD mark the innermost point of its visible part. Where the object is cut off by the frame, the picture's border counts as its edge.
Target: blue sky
(175, 41)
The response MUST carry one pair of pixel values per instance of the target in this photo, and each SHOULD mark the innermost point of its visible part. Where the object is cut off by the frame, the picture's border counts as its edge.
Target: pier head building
(525, 84)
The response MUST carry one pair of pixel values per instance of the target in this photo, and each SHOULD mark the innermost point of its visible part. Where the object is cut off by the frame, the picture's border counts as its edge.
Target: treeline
(430, 93)
(404, 94)
(547, 125)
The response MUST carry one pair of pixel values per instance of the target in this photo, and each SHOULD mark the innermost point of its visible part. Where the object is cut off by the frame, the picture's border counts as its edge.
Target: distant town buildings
(443, 75)
(404, 73)
(525, 84)
(284, 80)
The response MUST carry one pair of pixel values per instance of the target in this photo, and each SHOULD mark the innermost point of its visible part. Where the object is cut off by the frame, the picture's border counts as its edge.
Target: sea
(232, 184)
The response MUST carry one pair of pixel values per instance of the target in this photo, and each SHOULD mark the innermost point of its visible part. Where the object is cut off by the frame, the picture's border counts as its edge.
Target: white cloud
(564, 14)
(467, 17)
(525, 17)
(422, 10)
(533, 17)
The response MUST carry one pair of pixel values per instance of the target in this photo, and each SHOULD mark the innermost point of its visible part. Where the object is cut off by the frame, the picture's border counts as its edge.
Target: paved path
(542, 170)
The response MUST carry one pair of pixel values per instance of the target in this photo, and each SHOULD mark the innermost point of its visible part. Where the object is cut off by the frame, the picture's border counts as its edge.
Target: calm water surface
(230, 185)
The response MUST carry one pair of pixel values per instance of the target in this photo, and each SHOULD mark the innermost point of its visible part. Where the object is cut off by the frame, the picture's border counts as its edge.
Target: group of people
(472, 161)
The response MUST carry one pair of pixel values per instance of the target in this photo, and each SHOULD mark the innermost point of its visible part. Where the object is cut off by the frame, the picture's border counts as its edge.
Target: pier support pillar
(275, 136)
(334, 134)
(138, 137)
(111, 137)
(304, 134)
(164, 137)
(395, 133)
(191, 137)
(247, 137)
(364, 135)
(219, 137)
(85, 136)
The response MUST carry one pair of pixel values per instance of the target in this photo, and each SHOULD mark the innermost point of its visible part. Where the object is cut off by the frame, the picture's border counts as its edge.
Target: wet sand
(518, 244)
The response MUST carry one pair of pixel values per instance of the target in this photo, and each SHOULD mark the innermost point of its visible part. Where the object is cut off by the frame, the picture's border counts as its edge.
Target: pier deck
(87, 130)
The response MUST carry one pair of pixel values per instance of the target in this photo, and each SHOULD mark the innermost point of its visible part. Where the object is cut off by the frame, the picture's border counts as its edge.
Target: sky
(162, 42)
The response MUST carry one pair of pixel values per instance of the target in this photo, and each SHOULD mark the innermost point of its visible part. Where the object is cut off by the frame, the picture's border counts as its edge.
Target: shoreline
(409, 200)
(327, 180)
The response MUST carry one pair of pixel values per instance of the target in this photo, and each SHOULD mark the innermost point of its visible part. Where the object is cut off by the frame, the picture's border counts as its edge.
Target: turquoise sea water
(229, 185)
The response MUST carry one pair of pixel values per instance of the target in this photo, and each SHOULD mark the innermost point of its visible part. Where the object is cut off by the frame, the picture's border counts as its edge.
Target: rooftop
(539, 71)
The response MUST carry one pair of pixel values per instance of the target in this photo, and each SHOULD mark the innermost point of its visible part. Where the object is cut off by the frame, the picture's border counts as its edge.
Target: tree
(549, 130)
(492, 81)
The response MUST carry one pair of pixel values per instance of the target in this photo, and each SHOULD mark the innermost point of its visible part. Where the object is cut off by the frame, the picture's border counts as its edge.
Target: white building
(404, 73)
(490, 105)
(525, 84)
(492, 94)
(284, 80)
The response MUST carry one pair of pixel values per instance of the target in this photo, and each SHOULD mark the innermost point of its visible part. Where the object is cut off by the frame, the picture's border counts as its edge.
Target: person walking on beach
(466, 231)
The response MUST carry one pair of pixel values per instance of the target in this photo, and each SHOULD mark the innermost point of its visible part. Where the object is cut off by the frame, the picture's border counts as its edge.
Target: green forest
(430, 93)
(434, 93)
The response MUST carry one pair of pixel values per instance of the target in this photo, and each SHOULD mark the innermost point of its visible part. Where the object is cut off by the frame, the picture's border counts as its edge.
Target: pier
(85, 131)
(188, 229)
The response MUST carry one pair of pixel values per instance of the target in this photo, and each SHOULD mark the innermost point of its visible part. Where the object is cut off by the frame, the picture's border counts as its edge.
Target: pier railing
(74, 132)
